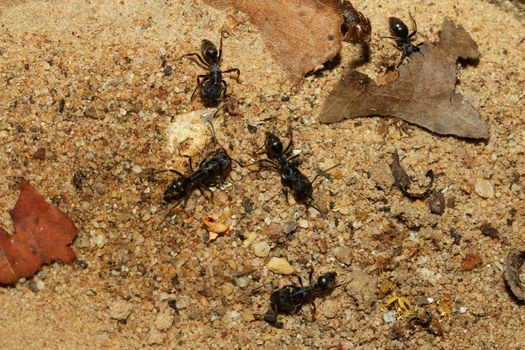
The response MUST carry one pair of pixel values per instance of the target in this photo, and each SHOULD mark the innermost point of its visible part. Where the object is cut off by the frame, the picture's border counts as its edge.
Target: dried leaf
(215, 228)
(42, 235)
(513, 265)
(403, 181)
(457, 42)
(422, 93)
(356, 27)
(300, 34)
(471, 261)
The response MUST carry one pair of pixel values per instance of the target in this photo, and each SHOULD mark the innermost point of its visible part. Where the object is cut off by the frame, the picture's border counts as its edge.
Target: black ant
(291, 177)
(212, 86)
(290, 299)
(402, 38)
(214, 167)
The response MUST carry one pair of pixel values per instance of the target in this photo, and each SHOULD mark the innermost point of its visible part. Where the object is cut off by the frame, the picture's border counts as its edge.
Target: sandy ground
(104, 60)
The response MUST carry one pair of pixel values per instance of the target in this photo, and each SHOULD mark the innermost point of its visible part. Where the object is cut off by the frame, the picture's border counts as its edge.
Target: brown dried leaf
(513, 265)
(422, 94)
(42, 235)
(356, 27)
(471, 261)
(300, 34)
(403, 181)
(457, 42)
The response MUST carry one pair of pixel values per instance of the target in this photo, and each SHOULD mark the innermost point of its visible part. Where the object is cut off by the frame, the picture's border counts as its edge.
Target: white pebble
(280, 265)
(303, 223)
(261, 249)
(484, 188)
(390, 317)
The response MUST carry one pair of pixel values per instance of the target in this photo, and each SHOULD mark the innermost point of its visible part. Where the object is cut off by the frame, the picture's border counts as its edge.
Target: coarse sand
(146, 281)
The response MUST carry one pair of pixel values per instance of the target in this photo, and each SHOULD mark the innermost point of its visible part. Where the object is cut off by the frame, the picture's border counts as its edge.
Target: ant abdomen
(398, 27)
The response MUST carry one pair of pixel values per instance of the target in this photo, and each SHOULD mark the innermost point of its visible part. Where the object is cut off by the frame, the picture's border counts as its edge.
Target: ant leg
(225, 88)
(170, 170)
(415, 26)
(299, 278)
(189, 163)
(199, 84)
(314, 310)
(293, 159)
(388, 37)
(403, 55)
(324, 172)
(266, 163)
(310, 275)
(199, 58)
(271, 317)
(290, 142)
(170, 211)
(236, 70)
(220, 47)
(285, 191)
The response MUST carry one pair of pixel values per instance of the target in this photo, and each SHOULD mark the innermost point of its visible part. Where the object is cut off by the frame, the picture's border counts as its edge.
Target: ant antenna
(169, 212)
(324, 172)
(261, 286)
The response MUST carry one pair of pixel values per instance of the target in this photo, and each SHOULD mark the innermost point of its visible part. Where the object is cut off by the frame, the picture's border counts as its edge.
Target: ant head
(177, 190)
(398, 27)
(274, 146)
(326, 282)
(209, 51)
(223, 159)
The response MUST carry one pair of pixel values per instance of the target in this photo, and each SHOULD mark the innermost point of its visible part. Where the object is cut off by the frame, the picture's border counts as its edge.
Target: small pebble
(484, 188)
(344, 255)
(329, 308)
(462, 309)
(280, 265)
(427, 275)
(303, 223)
(261, 249)
(436, 202)
(289, 227)
(243, 282)
(120, 310)
(390, 316)
(227, 289)
(155, 337)
(36, 285)
(136, 169)
(168, 70)
(488, 230)
(362, 288)
(234, 315)
(247, 316)
(183, 302)
(41, 274)
(164, 320)
(40, 154)
(313, 212)
(422, 260)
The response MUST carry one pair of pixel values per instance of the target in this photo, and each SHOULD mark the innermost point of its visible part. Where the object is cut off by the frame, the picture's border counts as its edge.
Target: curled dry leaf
(42, 235)
(356, 27)
(403, 181)
(300, 34)
(471, 261)
(513, 267)
(420, 92)
(215, 228)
